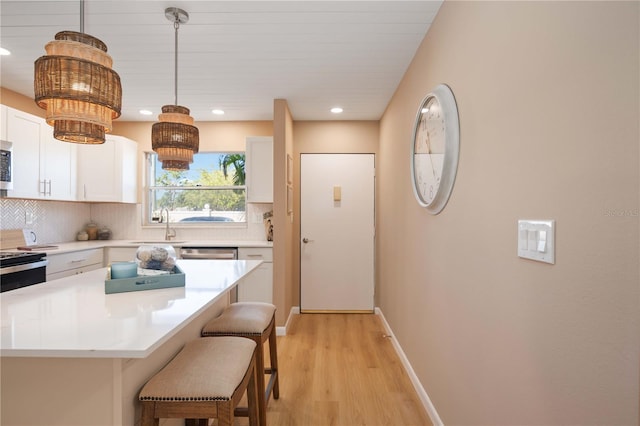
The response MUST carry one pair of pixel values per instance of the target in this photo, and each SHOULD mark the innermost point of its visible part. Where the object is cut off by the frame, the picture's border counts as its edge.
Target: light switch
(542, 241)
(523, 239)
(536, 240)
(532, 239)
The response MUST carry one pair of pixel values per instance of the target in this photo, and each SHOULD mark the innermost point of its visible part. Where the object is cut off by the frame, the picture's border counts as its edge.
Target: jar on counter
(92, 231)
(104, 234)
(82, 236)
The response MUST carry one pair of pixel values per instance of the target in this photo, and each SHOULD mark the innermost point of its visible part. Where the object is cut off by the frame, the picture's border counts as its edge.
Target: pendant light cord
(176, 25)
(82, 16)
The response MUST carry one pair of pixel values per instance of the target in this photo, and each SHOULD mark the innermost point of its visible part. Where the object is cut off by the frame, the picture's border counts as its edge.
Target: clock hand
(428, 139)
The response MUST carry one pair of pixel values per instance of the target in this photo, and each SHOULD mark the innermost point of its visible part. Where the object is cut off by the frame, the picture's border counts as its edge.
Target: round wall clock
(435, 148)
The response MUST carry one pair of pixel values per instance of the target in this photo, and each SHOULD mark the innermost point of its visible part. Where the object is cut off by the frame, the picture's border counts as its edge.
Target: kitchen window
(212, 192)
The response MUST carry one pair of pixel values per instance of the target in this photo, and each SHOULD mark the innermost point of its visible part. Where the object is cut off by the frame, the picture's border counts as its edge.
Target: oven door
(18, 276)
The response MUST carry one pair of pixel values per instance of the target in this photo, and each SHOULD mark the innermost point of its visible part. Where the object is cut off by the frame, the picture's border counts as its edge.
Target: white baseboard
(282, 331)
(422, 394)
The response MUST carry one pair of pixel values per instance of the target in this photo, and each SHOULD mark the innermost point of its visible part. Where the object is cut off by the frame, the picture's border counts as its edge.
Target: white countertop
(72, 317)
(72, 246)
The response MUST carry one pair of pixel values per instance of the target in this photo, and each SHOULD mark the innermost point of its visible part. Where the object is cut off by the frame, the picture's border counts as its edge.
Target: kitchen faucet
(168, 233)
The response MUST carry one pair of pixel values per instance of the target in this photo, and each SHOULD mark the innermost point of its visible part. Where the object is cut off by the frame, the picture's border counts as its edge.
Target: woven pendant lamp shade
(174, 138)
(76, 86)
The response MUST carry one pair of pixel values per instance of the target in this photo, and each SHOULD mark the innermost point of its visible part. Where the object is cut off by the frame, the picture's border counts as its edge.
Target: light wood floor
(341, 370)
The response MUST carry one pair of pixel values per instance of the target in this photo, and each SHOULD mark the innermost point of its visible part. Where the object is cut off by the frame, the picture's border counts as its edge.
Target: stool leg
(262, 401)
(225, 413)
(148, 414)
(273, 354)
(253, 396)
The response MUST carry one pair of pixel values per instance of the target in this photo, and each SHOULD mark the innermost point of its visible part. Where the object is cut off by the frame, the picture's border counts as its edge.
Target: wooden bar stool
(206, 380)
(256, 321)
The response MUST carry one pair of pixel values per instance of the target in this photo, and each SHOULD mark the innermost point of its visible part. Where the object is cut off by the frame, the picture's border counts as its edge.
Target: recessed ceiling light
(145, 112)
(218, 112)
(336, 110)
(4, 52)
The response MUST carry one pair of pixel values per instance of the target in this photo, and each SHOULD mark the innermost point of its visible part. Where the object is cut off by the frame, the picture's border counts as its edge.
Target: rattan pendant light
(174, 137)
(76, 86)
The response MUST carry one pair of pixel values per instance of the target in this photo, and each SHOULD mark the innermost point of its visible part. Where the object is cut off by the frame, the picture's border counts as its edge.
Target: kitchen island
(73, 355)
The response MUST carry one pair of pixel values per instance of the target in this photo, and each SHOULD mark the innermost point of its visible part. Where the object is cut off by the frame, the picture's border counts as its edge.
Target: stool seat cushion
(208, 369)
(242, 318)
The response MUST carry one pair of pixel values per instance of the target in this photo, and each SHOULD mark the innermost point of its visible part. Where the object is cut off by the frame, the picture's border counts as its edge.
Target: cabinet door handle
(49, 187)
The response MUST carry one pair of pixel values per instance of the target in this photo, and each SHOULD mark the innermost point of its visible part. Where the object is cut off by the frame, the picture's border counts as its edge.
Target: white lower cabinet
(120, 254)
(73, 263)
(258, 286)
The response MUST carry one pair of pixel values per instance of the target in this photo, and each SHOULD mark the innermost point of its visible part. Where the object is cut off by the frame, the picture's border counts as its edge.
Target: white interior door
(337, 230)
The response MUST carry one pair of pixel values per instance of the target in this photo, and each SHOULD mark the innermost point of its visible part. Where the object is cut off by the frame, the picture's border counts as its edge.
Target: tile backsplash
(52, 221)
(59, 221)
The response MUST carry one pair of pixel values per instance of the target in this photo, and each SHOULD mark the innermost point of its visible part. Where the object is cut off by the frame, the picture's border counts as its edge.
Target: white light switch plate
(536, 240)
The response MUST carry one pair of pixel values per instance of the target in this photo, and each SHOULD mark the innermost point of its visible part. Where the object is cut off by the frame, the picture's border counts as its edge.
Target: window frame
(147, 208)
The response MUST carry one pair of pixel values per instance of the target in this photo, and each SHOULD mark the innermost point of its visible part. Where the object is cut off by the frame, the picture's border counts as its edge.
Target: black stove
(11, 258)
(20, 269)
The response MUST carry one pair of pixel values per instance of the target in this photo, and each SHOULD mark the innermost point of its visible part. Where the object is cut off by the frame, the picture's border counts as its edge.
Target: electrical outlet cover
(30, 237)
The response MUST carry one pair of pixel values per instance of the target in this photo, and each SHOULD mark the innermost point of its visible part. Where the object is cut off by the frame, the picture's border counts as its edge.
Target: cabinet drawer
(256, 253)
(74, 271)
(74, 260)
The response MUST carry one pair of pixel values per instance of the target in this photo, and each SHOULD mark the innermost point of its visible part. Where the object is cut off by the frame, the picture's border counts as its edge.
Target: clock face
(435, 149)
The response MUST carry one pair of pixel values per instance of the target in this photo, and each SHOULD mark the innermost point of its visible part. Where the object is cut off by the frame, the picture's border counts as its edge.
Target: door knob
(306, 240)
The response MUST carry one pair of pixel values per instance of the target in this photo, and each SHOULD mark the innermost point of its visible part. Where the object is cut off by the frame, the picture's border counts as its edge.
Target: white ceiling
(234, 55)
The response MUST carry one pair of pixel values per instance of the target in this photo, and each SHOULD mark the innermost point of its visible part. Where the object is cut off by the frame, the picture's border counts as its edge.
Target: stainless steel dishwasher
(212, 253)
(208, 253)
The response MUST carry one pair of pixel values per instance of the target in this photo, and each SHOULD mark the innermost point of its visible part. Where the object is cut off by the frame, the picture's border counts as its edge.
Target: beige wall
(214, 136)
(325, 137)
(282, 225)
(21, 102)
(548, 98)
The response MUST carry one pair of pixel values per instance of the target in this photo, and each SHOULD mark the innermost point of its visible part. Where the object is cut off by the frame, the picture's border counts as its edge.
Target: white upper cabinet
(57, 166)
(259, 169)
(24, 131)
(3, 122)
(108, 172)
(43, 167)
